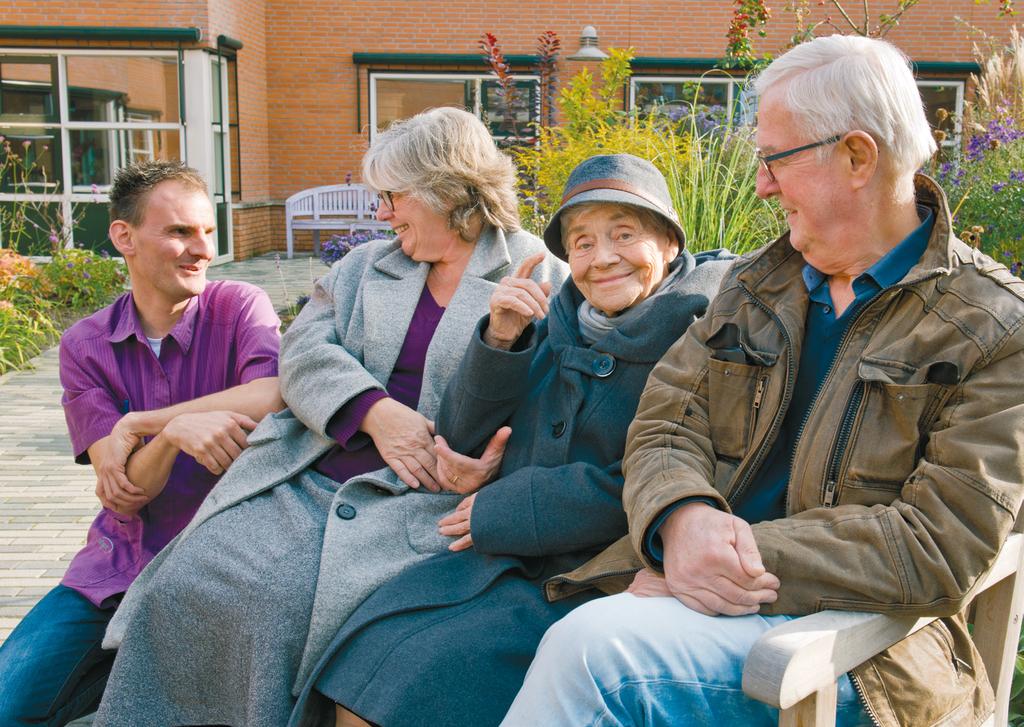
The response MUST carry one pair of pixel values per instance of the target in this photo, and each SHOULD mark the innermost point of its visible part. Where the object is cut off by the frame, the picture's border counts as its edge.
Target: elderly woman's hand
(458, 525)
(462, 474)
(405, 440)
(515, 303)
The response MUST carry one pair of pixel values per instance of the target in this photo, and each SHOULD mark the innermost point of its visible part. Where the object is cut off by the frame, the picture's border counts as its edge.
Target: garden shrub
(338, 246)
(81, 279)
(24, 332)
(710, 167)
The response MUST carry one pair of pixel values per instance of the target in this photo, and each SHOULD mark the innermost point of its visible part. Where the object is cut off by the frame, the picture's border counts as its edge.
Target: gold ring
(454, 479)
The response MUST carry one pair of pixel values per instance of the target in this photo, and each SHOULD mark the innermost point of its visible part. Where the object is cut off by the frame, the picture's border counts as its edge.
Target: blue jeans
(52, 668)
(624, 660)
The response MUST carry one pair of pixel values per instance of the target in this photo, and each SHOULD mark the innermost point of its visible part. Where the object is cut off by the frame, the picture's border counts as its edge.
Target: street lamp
(588, 47)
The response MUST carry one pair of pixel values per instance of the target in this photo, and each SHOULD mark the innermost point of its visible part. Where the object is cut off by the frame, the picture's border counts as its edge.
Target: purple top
(355, 452)
(228, 335)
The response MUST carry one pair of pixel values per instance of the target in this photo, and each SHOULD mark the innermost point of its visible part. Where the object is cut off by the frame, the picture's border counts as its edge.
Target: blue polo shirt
(765, 497)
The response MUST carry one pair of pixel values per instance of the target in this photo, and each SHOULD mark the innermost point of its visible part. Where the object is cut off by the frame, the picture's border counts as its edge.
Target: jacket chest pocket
(735, 392)
(888, 432)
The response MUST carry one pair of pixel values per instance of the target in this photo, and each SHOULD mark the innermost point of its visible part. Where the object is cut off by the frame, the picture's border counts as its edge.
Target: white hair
(446, 158)
(836, 84)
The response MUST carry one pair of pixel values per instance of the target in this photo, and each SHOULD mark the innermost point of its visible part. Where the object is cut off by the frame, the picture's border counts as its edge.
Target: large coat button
(345, 511)
(557, 429)
(603, 366)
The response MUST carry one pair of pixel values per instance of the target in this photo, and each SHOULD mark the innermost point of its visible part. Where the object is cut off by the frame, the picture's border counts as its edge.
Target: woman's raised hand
(462, 474)
(405, 440)
(516, 302)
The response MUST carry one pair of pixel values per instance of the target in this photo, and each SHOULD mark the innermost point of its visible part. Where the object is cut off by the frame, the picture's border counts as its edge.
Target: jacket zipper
(859, 689)
(590, 581)
(755, 462)
(842, 439)
(762, 384)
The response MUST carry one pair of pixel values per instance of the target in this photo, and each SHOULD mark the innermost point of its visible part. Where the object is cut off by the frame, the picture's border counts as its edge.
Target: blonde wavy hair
(446, 158)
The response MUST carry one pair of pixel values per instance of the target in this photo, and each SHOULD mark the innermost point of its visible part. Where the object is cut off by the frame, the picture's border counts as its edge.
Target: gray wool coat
(555, 503)
(345, 341)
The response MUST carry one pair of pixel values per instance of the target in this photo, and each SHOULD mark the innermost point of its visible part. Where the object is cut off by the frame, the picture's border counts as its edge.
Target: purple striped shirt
(228, 335)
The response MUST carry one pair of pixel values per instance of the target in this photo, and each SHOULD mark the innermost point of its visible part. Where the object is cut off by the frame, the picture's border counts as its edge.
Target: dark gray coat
(556, 502)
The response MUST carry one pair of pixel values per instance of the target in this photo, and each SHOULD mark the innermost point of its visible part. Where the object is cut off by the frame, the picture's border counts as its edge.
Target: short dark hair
(133, 183)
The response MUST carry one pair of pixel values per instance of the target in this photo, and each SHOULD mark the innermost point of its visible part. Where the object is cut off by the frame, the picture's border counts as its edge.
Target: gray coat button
(603, 366)
(345, 511)
(557, 429)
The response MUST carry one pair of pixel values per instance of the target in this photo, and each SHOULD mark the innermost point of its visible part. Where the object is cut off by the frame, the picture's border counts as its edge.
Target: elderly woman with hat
(532, 429)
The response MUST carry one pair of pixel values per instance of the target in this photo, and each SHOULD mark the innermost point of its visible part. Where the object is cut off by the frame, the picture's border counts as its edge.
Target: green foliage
(24, 333)
(33, 298)
(33, 224)
(710, 169)
(985, 179)
(82, 279)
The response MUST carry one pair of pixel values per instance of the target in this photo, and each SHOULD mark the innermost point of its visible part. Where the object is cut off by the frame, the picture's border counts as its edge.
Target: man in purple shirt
(160, 389)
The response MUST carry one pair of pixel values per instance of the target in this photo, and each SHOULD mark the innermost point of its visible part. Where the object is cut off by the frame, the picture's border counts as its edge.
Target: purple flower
(27, 143)
(1007, 254)
(70, 266)
(998, 186)
(1017, 176)
(348, 178)
(53, 238)
(104, 254)
(86, 275)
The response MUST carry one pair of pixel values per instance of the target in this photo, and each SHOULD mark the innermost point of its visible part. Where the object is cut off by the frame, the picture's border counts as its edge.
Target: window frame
(953, 140)
(70, 194)
(477, 77)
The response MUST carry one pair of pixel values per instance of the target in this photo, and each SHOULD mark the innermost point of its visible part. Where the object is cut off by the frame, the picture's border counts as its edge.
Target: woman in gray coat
(309, 519)
(449, 640)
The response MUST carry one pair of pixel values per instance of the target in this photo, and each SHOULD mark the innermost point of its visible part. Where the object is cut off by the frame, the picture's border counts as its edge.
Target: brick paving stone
(46, 500)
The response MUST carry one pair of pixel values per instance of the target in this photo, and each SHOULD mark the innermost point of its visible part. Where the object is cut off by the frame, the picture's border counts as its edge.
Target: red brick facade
(297, 82)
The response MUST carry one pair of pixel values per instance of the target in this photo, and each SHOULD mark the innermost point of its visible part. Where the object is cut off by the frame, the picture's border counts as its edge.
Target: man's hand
(109, 457)
(405, 440)
(648, 584)
(458, 525)
(214, 439)
(515, 303)
(712, 564)
(462, 474)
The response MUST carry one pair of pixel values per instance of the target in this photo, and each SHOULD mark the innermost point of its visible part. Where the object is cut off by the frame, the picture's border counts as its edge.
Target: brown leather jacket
(907, 477)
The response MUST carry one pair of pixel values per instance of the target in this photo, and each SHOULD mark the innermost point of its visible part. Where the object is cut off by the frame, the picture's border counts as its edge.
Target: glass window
(27, 89)
(400, 98)
(36, 162)
(102, 88)
(949, 97)
(121, 108)
(674, 97)
(500, 121)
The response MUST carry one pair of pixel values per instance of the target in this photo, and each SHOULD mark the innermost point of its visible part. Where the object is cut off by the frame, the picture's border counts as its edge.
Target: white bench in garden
(331, 207)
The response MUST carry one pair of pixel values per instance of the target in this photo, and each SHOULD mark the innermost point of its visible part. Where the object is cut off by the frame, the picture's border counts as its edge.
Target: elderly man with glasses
(843, 429)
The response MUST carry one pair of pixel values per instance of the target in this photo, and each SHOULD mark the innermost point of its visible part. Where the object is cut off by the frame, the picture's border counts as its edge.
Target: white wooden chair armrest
(808, 654)
(804, 657)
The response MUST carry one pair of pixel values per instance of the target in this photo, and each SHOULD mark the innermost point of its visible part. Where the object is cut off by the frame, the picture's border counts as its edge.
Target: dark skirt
(446, 665)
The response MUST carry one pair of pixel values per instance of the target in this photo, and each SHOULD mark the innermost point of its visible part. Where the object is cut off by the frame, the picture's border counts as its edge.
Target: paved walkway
(46, 500)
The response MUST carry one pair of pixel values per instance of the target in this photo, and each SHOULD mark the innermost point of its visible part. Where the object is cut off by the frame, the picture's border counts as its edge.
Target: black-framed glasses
(387, 198)
(767, 159)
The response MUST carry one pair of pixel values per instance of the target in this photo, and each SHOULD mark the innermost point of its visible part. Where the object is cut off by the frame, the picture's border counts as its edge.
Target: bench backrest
(335, 200)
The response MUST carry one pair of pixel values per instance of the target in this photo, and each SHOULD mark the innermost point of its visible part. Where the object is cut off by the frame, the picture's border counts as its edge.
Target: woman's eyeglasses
(387, 198)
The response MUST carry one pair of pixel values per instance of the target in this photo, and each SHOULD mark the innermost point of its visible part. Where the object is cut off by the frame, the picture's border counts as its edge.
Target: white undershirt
(154, 343)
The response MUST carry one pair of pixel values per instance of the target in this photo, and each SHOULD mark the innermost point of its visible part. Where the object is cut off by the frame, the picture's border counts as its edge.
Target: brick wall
(259, 228)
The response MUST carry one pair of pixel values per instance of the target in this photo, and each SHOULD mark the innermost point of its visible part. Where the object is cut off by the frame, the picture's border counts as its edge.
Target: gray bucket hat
(615, 178)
